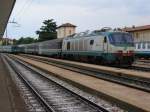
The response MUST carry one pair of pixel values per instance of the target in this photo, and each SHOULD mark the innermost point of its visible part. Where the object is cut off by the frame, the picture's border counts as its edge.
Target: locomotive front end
(122, 46)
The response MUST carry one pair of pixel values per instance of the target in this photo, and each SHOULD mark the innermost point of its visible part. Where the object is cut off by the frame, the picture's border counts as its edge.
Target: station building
(140, 33)
(141, 36)
(65, 30)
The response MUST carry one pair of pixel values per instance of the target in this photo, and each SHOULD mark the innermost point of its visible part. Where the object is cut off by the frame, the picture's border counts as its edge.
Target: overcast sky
(86, 14)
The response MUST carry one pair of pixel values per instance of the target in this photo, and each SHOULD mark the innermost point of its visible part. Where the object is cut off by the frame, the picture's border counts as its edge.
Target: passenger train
(142, 50)
(100, 46)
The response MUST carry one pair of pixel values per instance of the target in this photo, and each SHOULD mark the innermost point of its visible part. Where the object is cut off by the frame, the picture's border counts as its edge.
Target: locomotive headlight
(131, 53)
(119, 52)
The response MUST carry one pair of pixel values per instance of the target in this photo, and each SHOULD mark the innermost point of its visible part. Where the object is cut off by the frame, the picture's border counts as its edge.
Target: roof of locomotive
(93, 33)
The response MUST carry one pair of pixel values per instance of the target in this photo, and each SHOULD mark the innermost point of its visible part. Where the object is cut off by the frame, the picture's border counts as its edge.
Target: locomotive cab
(122, 47)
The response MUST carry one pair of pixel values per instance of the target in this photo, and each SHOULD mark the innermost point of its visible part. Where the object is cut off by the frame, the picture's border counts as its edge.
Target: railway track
(133, 82)
(32, 104)
(144, 61)
(141, 68)
(141, 65)
(53, 96)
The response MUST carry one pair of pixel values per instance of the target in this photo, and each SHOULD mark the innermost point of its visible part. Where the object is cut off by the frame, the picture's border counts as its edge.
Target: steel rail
(133, 82)
(30, 86)
(145, 61)
(140, 68)
(101, 109)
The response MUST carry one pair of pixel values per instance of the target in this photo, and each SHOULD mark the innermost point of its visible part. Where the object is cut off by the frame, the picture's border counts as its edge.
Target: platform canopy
(6, 7)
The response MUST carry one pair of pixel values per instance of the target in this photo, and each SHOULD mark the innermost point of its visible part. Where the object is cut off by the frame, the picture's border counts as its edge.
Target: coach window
(68, 46)
(143, 45)
(148, 45)
(135, 45)
(91, 42)
(139, 46)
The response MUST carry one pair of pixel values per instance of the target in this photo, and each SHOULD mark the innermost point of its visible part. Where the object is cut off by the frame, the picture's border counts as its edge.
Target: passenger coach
(50, 48)
(142, 49)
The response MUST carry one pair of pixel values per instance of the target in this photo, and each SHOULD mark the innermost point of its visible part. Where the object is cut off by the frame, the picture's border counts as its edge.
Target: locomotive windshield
(121, 39)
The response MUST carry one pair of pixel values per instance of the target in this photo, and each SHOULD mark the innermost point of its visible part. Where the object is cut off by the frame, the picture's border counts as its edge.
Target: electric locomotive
(108, 47)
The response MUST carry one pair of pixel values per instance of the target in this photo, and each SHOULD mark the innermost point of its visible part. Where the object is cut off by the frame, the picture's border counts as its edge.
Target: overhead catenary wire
(23, 9)
(19, 7)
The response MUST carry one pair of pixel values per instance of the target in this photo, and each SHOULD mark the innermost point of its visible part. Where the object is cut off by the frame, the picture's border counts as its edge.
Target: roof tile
(138, 28)
(66, 25)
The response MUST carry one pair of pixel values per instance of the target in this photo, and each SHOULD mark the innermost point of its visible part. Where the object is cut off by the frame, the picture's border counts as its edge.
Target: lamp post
(1, 38)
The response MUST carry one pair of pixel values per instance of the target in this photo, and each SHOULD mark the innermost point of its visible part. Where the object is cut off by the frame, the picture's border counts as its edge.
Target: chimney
(133, 26)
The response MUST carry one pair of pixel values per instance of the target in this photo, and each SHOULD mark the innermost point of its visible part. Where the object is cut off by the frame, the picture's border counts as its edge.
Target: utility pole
(6, 31)
(6, 36)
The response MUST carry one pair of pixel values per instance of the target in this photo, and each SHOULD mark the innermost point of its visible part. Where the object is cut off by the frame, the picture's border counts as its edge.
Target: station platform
(10, 99)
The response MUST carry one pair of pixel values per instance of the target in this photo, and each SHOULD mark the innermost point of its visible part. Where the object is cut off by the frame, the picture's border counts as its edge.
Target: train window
(68, 46)
(91, 42)
(148, 45)
(105, 39)
(143, 45)
(139, 46)
(135, 45)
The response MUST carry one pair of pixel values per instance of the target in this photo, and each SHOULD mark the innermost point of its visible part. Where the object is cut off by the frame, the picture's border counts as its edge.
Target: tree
(26, 40)
(14, 41)
(47, 31)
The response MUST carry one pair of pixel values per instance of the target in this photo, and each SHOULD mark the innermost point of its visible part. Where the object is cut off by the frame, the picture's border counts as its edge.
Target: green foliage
(47, 31)
(14, 41)
(23, 40)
